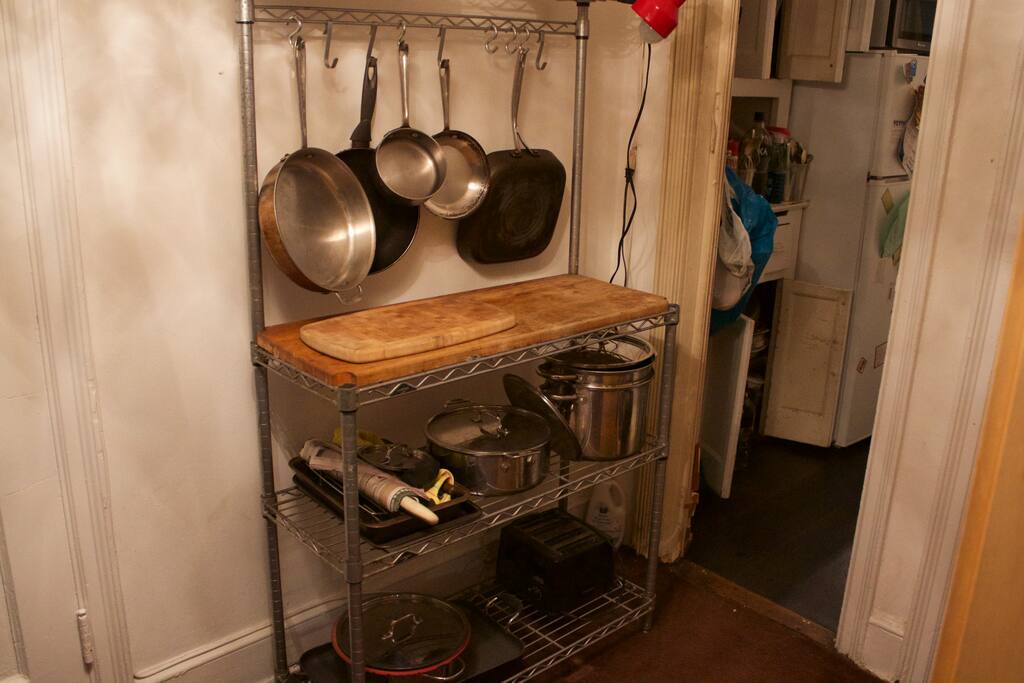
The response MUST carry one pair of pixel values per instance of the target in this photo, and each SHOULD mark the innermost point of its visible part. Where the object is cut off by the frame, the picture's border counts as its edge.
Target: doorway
(793, 376)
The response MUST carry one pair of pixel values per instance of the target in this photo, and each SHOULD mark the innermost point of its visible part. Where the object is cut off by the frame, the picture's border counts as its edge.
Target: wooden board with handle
(544, 309)
(404, 329)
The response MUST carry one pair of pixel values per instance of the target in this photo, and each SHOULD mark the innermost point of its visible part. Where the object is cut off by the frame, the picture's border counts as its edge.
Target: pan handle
(446, 80)
(300, 79)
(350, 296)
(517, 89)
(361, 135)
(403, 77)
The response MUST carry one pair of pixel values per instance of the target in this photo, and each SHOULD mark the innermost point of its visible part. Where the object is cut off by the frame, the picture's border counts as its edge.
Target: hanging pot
(491, 450)
(314, 215)
(603, 389)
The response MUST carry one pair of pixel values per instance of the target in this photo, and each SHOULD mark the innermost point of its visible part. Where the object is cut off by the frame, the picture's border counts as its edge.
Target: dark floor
(702, 634)
(786, 531)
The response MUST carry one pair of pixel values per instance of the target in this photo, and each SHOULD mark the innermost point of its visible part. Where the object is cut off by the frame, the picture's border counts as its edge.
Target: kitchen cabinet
(754, 39)
(725, 384)
(782, 263)
(805, 363)
(858, 34)
(812, 45)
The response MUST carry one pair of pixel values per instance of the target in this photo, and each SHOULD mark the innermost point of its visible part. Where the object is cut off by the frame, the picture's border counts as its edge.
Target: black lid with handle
(406, 634)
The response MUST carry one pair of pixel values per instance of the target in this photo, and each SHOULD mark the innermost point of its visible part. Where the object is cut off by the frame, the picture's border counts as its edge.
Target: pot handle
(450, 677)
(350, 296)
(513, 604)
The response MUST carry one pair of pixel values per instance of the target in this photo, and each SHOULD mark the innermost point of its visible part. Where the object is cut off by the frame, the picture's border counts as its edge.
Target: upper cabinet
(810, 42)
(755, 39)
(812, 45)
(858, 35)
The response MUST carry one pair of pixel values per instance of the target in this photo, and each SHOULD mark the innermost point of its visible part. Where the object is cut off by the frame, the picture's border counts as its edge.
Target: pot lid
(620, 353)
(406, 633)
(524, 395)
(488, 430)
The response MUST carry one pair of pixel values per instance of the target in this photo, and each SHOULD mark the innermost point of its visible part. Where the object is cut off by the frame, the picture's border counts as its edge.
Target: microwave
(903, 25)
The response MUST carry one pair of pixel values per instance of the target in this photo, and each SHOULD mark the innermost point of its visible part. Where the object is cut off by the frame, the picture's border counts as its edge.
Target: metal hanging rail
(280, 14)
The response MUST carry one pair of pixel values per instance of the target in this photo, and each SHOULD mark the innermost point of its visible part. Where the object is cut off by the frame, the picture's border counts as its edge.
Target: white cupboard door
(754, 39)
(858, 34)
(724, 386)
(805, 367)
(813, 41)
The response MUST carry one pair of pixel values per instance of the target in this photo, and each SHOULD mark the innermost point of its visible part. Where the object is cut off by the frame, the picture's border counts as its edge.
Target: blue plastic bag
(760, 222)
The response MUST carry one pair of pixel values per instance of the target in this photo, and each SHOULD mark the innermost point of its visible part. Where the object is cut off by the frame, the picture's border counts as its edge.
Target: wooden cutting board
(548, 308)
(405, 329)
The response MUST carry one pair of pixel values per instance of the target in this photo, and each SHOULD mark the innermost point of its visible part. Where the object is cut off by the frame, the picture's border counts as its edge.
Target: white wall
(964, 221)
(156, 151)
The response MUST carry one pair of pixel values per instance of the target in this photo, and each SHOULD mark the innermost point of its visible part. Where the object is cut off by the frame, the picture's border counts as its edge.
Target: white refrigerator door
(869, 320)
(837, 124)
(895, 104)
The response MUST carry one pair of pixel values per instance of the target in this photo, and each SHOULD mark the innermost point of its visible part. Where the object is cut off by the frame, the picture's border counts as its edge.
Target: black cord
(630, 186)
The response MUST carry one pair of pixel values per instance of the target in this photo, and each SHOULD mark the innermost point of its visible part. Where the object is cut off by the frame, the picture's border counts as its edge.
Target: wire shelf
(364, 17)
(383, 391)
(323, 532)
(551, 638)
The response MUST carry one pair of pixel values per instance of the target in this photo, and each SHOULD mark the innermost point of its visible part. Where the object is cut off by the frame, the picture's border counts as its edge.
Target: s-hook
(294, 37)
(328, 29)
(401, 36)
(488, 46)
(540, 51)
(512, 45)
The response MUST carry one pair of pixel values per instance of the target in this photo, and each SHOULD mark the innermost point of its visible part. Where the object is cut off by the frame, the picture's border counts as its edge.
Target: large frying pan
(314, 216)
(517, 217)
(395, 223)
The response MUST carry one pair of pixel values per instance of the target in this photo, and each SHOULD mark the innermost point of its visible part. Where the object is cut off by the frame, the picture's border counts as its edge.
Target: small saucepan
(410, 163)
(468, 175)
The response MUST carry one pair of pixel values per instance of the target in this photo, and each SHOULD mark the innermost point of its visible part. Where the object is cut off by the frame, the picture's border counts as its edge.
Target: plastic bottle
(606, 511)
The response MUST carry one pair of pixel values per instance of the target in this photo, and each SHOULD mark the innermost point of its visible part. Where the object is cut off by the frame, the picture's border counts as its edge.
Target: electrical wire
(630, 186)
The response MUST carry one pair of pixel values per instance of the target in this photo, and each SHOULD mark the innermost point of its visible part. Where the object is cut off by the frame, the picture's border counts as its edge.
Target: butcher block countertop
(545, 309)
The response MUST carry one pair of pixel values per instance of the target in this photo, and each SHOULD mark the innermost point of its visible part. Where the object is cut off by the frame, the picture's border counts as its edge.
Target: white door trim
(32, 35)
(905, 647)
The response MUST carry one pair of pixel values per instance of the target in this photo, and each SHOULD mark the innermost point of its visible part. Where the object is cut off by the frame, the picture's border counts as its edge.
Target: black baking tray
(491, 656)
(379, 527)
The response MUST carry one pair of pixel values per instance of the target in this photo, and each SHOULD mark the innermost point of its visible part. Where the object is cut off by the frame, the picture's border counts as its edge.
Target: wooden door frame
(904, 646)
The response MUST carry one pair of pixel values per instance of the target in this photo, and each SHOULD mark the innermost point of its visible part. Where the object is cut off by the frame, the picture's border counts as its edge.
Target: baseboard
(882, 646)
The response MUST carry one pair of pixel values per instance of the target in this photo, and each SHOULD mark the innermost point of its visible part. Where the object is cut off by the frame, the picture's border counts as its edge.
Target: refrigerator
(853, 129)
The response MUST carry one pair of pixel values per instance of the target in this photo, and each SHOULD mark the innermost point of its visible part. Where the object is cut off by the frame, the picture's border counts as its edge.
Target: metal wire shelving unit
(548, 638)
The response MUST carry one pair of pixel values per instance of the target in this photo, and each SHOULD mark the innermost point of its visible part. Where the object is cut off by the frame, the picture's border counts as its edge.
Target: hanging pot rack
(551, 641)
(279, 14)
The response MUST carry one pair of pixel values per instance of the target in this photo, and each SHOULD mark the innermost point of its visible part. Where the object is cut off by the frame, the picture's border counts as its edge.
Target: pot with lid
(408, 634)
(492, 450)
(603, 390)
